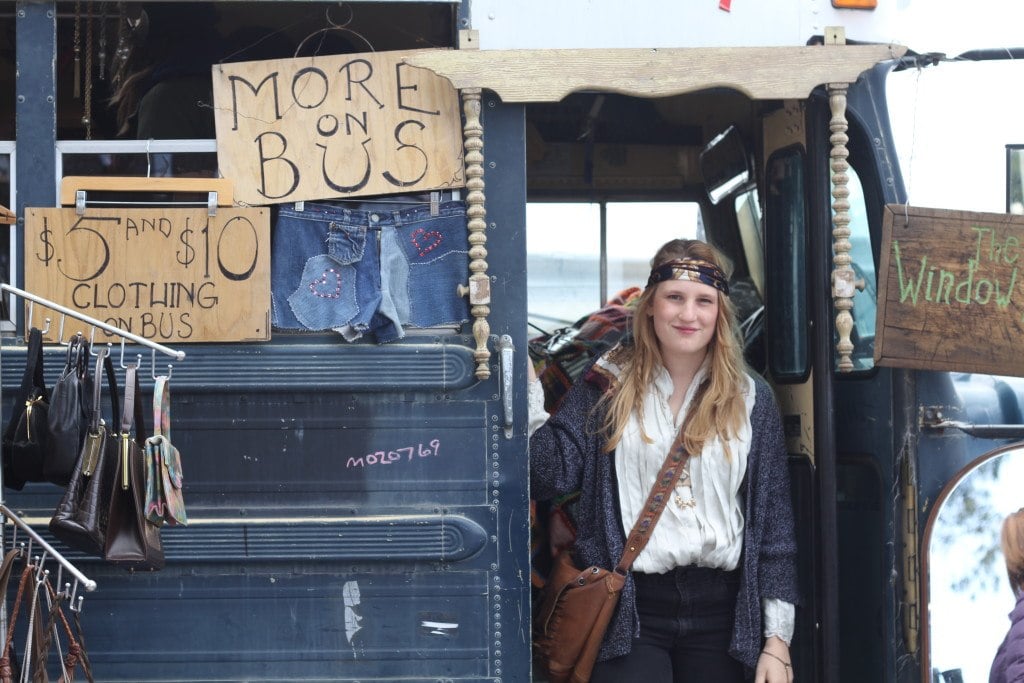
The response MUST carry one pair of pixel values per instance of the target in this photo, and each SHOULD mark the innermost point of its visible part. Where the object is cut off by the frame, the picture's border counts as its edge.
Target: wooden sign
(336, 126)
(170, 275)
(951, 291)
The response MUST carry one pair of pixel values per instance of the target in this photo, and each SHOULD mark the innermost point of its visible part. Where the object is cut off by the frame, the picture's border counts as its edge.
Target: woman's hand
(774, 665)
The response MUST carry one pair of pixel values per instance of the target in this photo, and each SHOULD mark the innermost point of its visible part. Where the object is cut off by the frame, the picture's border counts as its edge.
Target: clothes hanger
(333, 26)
(433, 198)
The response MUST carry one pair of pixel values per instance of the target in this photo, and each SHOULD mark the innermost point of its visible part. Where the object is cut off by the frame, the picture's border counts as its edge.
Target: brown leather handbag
(80, 520)
(132, 541)
(577, 604)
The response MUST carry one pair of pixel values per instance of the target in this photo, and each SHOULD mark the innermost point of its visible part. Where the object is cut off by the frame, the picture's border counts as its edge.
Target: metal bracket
(211, 204)
(933, 419)
(80, 202)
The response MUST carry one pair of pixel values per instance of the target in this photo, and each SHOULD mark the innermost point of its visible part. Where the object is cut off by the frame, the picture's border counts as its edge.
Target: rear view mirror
(725, 165)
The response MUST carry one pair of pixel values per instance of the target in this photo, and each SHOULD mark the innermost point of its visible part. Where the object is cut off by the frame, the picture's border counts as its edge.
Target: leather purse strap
(5, 659)
(33, 376)
(162, 407)
(83, 654)
(34, 363)
(103, 363)
(661, 493)
(131, 381)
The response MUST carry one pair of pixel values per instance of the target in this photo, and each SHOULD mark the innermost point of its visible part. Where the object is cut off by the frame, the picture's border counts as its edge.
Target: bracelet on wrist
(780, 659)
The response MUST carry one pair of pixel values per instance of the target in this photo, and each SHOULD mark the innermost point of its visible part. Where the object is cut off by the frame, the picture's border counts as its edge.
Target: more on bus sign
(170, 275)
(335, 126)
(951, 291)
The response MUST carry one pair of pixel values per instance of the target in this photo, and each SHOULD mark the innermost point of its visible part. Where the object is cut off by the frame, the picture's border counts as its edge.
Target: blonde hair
(1012, 542)
(722, 408)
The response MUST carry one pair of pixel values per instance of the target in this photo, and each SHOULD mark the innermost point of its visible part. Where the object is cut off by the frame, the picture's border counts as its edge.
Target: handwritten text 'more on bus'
(396, 456)
(989, 277)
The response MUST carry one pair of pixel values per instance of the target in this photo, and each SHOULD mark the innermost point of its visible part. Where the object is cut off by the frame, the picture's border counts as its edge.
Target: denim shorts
(369, 267)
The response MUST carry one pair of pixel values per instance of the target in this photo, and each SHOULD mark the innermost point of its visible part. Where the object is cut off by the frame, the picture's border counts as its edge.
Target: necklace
(680, 501)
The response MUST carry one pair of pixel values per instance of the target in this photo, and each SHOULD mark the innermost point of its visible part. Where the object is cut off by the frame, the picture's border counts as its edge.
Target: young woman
(1008, 665)
(712, 595)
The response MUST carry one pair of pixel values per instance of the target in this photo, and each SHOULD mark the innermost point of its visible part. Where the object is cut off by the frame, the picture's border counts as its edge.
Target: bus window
(864, 298)
(786, 253)
(581, 255)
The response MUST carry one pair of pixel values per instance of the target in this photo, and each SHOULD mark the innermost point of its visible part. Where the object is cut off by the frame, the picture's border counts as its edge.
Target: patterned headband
(695, 270)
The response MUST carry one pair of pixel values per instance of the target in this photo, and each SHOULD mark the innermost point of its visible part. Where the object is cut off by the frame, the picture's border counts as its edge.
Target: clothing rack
(48, 550)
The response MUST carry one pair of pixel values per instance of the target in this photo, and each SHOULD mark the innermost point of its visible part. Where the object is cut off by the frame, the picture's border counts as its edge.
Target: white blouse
(703, 523)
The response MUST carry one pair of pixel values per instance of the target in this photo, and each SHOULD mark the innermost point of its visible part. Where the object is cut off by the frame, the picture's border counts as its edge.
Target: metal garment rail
(83, 580)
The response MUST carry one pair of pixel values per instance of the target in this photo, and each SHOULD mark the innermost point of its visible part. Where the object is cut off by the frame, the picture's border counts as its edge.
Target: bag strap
(133, 413)
(32, 378)
(34, 362)
(131, 382)
(83, 654)
(140, 415)
(661, 493)
(82, 360)
(74, 353)
(73, 655)
(162, 407)
(103, 363)
(6, 670)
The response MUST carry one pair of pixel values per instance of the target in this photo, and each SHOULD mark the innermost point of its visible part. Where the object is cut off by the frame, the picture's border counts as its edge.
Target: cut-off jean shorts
(369, 268)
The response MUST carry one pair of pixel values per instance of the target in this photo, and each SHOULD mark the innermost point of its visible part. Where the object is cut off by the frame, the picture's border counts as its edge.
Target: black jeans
(686, 620)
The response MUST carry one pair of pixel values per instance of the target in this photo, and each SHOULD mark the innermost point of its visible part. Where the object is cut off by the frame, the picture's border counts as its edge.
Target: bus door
(838, 424)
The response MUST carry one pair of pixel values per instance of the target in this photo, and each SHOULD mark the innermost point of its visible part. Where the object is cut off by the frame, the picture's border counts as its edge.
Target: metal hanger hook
(170, 368)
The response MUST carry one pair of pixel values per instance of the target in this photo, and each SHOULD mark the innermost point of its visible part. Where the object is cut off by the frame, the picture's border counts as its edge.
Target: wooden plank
(951, 291)
(170, 275)
(550, 75)
(69, 185)
(335, 126)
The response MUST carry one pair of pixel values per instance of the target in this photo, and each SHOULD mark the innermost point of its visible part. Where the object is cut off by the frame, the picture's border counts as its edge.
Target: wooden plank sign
(951, 291)
(335, 126)
(170, 275)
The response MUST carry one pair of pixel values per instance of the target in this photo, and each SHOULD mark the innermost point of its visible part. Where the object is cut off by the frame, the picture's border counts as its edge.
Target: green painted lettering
(908, 288)
(966, 287)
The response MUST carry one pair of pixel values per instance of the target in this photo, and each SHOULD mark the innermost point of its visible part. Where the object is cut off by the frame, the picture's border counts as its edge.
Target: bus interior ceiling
(594, 146)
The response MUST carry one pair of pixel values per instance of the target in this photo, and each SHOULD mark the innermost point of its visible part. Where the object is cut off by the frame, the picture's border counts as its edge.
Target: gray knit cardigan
(566, 456)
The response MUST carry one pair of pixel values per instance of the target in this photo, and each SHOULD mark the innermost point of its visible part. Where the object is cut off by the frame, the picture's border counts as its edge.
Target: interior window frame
(773, 283)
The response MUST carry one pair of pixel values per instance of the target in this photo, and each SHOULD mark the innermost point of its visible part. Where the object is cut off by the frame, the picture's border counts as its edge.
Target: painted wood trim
(550, 75)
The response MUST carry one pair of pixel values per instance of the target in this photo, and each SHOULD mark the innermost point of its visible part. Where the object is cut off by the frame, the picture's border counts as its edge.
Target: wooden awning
(550, 75)
(7, 216)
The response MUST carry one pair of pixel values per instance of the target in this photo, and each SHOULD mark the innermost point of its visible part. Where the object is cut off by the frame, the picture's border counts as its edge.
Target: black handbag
(132, 542)
(80, 520)
(25, 438)
(69, 414)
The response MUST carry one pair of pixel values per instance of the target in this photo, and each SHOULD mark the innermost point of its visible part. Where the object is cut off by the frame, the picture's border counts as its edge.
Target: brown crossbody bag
(577, 604)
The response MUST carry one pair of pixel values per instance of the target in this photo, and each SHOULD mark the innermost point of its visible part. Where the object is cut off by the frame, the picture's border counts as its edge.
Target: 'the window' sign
(335, 126)
(170, 275)
(951, 291)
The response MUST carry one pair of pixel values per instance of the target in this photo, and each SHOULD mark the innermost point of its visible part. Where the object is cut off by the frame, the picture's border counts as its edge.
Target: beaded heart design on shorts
(321, 286)
(430, 240)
